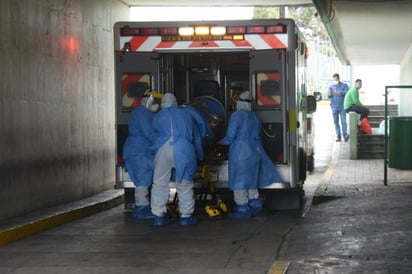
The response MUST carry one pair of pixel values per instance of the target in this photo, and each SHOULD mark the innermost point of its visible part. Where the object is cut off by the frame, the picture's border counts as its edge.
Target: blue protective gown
(200, 130)
(249, 165)
(198, 119)
(136, 150)
(175, 123)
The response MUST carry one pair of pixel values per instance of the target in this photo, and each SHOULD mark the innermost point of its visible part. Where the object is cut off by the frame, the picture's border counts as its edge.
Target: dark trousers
(362, 111)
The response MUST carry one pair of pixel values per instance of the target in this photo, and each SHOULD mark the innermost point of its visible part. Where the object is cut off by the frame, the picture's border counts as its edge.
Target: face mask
(335, 82)
(154, 108)
(358, 86)
(151, 105)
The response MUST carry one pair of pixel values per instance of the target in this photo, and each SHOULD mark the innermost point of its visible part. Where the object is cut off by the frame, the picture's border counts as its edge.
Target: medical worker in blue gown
(138, 157)
(176, 146)
(249, 165)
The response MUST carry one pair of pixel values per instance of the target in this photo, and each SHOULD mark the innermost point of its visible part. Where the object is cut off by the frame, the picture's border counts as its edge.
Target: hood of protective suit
(168, 100)
(244, 101)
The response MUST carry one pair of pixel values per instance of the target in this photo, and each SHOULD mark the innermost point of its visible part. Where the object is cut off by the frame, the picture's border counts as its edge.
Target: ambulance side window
(134, 85)
(268, 89)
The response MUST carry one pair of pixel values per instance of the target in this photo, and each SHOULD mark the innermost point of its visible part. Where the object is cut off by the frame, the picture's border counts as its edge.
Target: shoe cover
(160, 220)
(142, 213)
(256, 206)
(241, 212)
(191, 220)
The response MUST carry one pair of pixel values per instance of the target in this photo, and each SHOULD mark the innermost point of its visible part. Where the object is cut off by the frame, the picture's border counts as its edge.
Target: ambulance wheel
(302, 164)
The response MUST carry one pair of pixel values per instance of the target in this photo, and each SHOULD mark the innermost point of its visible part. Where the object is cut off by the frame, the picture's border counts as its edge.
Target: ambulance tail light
(169, 31)
(309, 124)
(149, 31)
(280, 158)
(255, 30)
(120, 159)
(128, 31)
(232, 30)
(276, 29)
(236, 30)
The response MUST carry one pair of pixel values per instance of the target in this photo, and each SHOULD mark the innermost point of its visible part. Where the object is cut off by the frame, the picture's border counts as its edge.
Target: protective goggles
(245, 100)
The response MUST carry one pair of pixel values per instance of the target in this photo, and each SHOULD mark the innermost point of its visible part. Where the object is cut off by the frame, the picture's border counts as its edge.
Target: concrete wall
(56, 101)
(405, 107)
(406, 68)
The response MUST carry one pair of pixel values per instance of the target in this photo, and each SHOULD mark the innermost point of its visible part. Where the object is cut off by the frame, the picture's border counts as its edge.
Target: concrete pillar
(353, 132)
(56, 101)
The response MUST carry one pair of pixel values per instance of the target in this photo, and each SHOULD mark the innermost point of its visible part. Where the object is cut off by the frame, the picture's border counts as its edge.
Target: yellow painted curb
(324, 102)
(279, 267)
(332, 164)
(24, 230)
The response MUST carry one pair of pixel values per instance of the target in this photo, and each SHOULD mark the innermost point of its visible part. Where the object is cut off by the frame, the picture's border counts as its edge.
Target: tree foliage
(265, 12)
(305, 18)
(312, 28)
(308, 22)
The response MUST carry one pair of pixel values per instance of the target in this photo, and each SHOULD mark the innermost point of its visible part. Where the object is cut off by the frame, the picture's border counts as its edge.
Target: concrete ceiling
(153, 3)
(364, 32)
(368, 32)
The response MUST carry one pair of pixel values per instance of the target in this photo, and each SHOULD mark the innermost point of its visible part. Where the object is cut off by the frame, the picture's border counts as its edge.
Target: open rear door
(135, 74)
(268, 78)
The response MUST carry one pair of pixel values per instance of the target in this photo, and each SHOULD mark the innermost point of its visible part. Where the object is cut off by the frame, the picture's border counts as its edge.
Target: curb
(24, 230)
(318, 196)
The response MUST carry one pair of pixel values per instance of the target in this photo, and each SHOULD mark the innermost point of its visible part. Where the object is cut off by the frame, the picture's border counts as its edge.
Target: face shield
(152, 105)
(153, 101)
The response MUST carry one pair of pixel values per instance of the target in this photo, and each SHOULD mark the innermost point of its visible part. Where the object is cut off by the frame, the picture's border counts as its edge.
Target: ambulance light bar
(209, 32)
(202, 30)
(169, 31)
(255, 29)
(186, 31)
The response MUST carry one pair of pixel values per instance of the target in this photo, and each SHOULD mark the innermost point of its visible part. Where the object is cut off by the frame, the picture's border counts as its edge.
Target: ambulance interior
(210, 82)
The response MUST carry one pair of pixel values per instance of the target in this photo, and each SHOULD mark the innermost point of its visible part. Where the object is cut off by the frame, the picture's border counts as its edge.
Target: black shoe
(337, 140)
(346, 138)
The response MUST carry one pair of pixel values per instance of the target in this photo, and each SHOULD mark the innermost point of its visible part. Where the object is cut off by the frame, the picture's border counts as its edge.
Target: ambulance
(206, 65)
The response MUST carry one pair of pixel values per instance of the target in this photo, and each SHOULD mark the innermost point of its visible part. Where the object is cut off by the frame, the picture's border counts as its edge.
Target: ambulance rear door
(269, 84)
(135, 73)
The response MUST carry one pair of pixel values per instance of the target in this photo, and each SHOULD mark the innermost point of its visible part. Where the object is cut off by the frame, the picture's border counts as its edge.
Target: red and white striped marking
(252, 41)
